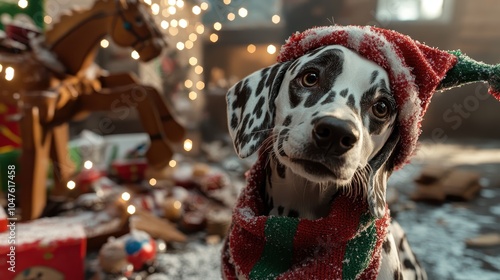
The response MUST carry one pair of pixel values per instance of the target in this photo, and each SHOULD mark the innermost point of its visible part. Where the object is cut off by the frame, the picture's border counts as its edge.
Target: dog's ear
(251, 109)
(382, 166)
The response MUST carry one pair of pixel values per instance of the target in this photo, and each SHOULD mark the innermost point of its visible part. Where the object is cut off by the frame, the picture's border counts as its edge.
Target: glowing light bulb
(217, 26)
(188, 145)
(125, 196)
(172, 10)
(22, 4)
(174, 23)
(271, 49)
(200, 29)
(204, 6)
(171, 2)
(251, 48)
(155, 9)
(189, 45)
(193, 61)
(152, 182)
(200, 85)
(183, 23)
(275, 19)
(173, 31)
(198, 69)
(148, 2)
(188, 83)
(104, 43)
(227, 2)
(180, 3)
(172, 163)
(164, 24)
(88, 164)
(193, 37)
(214, 37)
(131, 209)
(9, 73)
(71, 185)
(180, 46)
(47, 19)
(196, 10)
(193, 95)
(243, 12)
(177, 204)
(231, 16)
(135, 55)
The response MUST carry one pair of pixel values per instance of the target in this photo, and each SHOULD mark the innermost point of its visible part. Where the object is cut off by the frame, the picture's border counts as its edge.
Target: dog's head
(329, 116)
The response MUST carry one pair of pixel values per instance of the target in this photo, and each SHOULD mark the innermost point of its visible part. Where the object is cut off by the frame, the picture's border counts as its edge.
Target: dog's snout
(334, 135)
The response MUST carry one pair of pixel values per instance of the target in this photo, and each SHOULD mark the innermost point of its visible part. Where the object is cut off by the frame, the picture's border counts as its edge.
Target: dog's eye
(310, 79)
(381, 109)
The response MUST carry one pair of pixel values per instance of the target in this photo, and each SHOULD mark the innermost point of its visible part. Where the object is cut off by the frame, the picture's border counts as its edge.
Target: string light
(183, 23)
(131, 209)
(193, 95)
(172, 10)
(198, 69)
(200, 85)
(217, 26)
(204, 6)
(9, 73)
(135, 55)
(188, 145)
(165, 13)
(200, 28)
(104, 43)
(196, 10)
(193, 37)
(173, 31)
(214, 37)
(275, 19)
(227, 2)
(22, 4)
(243, 12)
(47, 19)
(88, 164)
(172, 163)
(152, 182)
(171, 2)
(231, 16)
(251, 48)
(188, 83)
(148, 2)
(189, 45)
(164, 24)
(180, 46)
(125, 196)
(71, 185)
(155, 9)
(193, 61)
(174, 23)
(271, 49)
(180, 4)
(1, 68)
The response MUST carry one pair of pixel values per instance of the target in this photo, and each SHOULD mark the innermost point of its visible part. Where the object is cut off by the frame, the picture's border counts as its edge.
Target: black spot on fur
(351, 103)
(257, 111)
(287, 121)
(293, 213)
(281, 138)
(280, 168)
(408, 264)
(373, 76)
(280, 210)
(401, 244)
(294, 97)
(242, 91)
(250, 123)
(313, 115)
(344, 92)
(234, 121)
(314, 52)
(398, 275)
(329, 98)
(293, 66)
(387, 246)
(312, 100)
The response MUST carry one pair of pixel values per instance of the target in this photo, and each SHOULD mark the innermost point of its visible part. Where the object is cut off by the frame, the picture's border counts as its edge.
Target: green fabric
(468, 70)
(359, 249)
(278, 250)
(34, 10)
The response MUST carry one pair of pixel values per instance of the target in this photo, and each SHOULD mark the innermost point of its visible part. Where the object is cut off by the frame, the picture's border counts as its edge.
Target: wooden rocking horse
(55, 80)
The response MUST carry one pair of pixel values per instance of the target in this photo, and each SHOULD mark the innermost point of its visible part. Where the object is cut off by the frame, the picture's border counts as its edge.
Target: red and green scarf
(344, 245)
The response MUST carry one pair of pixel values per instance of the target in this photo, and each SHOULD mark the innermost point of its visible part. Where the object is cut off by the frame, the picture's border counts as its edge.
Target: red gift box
(53, 247)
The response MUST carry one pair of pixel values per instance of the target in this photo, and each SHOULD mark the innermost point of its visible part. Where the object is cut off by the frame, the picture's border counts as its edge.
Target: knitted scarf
(344, 245)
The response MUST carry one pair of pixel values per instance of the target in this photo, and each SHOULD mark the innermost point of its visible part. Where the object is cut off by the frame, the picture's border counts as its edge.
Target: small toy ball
(140, 249)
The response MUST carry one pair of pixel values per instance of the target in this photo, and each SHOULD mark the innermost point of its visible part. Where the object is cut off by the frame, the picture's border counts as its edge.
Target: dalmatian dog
(328, 122)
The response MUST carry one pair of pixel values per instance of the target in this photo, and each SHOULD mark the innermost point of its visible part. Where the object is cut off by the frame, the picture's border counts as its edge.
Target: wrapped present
(51, 248)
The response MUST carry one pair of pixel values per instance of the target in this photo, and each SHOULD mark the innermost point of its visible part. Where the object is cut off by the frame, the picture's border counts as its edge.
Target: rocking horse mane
(61, 27)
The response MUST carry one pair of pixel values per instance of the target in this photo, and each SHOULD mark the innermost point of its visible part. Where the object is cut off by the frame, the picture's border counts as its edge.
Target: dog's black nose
(335, 135)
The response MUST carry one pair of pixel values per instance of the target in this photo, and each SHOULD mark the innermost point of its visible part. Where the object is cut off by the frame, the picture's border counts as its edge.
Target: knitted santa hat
(415, 70)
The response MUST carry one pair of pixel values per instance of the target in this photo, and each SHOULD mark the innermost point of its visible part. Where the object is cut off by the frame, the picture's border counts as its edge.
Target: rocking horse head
(133, 26)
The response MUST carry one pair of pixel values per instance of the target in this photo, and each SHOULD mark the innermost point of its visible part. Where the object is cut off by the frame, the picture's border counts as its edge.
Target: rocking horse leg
(159, 152)
(34, 162)
(62, 165)
(171, 128)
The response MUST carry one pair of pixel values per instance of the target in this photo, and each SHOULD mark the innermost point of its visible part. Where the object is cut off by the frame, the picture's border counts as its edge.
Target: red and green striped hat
(415, 70)
(344, 245)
